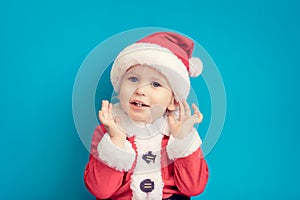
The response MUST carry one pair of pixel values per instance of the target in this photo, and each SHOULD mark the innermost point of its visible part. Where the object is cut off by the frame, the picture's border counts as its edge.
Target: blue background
(255, 45)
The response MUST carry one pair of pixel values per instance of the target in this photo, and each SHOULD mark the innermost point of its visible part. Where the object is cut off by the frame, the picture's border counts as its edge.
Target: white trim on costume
(114, 156)
(178, 148)
(147, 170)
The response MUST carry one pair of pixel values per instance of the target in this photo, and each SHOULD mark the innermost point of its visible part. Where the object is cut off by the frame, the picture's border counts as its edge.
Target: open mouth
(139, 104)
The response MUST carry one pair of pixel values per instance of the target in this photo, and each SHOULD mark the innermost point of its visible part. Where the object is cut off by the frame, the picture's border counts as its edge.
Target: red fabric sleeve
(191, 173)
(101, 180)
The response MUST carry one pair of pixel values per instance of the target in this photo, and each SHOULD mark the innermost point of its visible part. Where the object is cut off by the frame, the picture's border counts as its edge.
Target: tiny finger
(181, 111)
(105, 108)
(186, 108)
(105, 104)
(100, 115)
(171, 119)
(110, 109)
(199, 118)
(195, 108)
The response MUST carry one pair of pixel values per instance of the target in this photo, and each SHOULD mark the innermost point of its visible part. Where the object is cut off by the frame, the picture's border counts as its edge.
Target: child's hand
(182, 126)
(105, 116)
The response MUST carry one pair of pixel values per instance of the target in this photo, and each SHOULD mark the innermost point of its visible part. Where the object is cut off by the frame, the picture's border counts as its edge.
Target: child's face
(145, 94)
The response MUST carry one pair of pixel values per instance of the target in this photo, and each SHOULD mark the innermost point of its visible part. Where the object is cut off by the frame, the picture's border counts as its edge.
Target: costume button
(149, 157)
(147, 185)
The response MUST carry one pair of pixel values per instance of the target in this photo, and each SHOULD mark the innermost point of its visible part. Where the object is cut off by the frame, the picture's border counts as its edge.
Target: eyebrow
(132, 66)
(132, 72)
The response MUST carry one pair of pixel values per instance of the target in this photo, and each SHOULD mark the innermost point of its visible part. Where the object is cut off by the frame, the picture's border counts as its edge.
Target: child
(146, 146)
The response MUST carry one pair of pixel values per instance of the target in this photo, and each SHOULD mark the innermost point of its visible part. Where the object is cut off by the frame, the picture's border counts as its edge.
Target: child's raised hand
(106, 118)
(183, 125)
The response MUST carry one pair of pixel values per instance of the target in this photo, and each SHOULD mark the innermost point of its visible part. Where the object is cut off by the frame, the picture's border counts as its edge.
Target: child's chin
(140, 118)
(146, 116)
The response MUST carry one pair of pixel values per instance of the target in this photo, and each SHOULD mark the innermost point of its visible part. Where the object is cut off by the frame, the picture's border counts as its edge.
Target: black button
(149, 157)
(147, 185)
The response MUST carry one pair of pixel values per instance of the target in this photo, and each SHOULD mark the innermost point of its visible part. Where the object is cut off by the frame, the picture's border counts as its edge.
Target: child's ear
(173, 104)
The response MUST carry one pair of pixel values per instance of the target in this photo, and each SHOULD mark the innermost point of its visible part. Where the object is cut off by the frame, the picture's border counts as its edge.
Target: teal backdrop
(255, 45)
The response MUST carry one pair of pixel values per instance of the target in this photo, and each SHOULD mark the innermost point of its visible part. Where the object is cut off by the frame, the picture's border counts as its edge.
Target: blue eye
(156, 84)
(133, 79)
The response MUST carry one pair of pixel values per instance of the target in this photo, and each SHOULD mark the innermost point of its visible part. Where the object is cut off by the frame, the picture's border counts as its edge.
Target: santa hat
(169, 53)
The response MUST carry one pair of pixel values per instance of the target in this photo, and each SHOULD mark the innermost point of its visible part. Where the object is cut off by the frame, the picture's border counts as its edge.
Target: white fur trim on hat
(157, 57)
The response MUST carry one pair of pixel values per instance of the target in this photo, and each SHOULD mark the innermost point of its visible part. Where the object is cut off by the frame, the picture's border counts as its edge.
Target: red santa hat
(170, 53)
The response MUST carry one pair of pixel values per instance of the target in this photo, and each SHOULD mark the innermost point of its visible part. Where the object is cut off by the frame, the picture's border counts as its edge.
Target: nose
(140, 91)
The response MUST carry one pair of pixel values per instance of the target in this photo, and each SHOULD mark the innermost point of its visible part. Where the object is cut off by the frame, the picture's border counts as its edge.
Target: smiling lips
(138, 103)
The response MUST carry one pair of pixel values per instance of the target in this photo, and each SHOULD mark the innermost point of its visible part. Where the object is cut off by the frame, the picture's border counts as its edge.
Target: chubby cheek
(164, 99)
(156, 112)
(124, 96)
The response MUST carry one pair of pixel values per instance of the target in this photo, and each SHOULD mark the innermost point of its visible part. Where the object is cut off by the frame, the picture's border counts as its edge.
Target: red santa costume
(153, 164)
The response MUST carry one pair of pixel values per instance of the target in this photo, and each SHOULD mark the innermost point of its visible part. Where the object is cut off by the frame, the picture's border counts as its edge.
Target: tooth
(138, 104)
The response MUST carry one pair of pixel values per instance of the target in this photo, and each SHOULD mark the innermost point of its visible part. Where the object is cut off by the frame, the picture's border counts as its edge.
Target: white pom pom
(196, 66)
